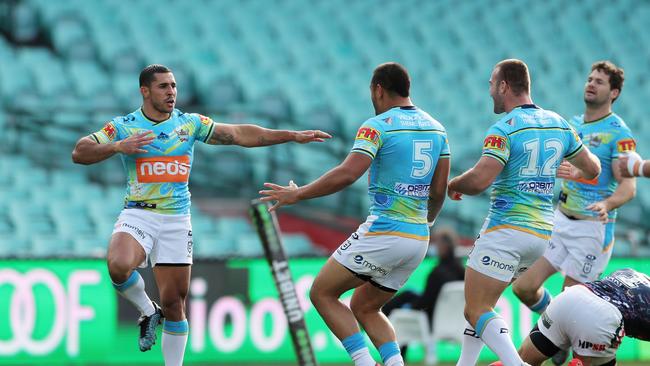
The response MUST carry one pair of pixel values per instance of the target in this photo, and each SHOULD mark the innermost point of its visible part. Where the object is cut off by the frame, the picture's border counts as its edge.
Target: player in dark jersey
(592, 319)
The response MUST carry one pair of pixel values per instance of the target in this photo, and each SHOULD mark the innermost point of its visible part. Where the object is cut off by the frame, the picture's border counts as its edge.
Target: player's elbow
(78, 157)
(477, 188)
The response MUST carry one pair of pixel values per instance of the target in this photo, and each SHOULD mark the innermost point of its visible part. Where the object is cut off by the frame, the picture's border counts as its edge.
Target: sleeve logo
(495, 142)
(205, 120)
(626, 145)
(109, 130)
(576, 136)
(368, 134)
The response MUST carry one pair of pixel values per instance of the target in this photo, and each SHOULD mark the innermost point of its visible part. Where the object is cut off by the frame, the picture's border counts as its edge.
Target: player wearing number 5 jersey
(520, 156)
(156, 146)
(408, 157)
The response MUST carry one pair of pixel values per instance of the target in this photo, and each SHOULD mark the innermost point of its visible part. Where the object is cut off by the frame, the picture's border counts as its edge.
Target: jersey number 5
(422, 159)
(532, 169)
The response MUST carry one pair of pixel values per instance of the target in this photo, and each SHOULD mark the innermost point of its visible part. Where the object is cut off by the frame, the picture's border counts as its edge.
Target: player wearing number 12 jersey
(520, 156)
(407, 154)
(583, 235)
(156, 145)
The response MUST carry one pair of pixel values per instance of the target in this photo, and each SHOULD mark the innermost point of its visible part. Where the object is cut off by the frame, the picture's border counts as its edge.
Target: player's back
(530, 142)
(629, 291)
(405, 144)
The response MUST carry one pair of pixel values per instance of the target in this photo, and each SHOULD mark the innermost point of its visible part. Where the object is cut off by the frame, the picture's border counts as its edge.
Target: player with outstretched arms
(521, 153)
(156, 143)
(583, 232)
(407, 153)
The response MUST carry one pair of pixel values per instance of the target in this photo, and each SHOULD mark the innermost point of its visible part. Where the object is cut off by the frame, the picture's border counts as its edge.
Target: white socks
(133, 290)
(494, 332)
(362, 357)
(174, 339)
(472, 346)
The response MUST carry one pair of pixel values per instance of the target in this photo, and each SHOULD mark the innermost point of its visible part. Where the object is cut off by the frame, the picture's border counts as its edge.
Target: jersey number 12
(532, 169)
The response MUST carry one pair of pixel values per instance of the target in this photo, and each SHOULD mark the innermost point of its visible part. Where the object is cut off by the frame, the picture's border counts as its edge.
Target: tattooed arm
(252, 135)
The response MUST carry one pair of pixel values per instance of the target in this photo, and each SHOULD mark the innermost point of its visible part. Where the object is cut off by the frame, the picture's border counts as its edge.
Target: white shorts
(386, 261)
(166, 239)
(504, 254)
(579, 319)
(580, 249)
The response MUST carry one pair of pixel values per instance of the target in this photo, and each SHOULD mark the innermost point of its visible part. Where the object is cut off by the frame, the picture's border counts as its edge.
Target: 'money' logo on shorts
(163, 169)
(487, 261)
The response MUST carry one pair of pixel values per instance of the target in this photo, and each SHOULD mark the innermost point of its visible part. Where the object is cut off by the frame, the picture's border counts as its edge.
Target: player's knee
(173, 308)
(118, 270)
(359, 309)
(316, 296)
(313, 295)
(473, 314)
(524, 293)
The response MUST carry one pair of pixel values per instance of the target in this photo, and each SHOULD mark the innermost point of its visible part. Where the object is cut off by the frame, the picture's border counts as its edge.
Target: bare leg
(173, 283)
(366, 305)
(529, 353)
(568, 282)
(332, 281)
(528, 287)
(481, 294)
(124, 254)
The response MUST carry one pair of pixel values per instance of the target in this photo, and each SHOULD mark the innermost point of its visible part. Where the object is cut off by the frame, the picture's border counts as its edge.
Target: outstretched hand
(304, 137)
(134, 143)
(283, 195)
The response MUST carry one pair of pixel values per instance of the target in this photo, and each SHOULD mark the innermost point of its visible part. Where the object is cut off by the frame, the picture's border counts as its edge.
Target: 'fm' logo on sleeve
(626, 145)
(495, 142)
(109, 130)
(369, 134)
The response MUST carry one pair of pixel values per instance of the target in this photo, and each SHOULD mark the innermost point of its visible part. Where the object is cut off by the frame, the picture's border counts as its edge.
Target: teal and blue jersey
(158, 179)
(607, 138)
(405, 144)
(530, 142)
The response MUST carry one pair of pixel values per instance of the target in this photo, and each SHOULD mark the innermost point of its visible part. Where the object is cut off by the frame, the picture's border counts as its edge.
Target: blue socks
(354, 343)
(388, 350)
(132, 280)
(176, 328)
(541, 305)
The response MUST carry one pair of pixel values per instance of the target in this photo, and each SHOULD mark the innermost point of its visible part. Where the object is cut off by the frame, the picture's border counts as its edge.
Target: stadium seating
(69, 66)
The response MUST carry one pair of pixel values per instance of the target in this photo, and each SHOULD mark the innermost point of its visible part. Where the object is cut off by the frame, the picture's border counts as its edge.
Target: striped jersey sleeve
(368, 139)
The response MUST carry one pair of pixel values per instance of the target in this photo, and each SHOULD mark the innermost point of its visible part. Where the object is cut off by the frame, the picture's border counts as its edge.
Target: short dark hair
(515, 73)
(147, 74)
(616, 74)
(392, 77)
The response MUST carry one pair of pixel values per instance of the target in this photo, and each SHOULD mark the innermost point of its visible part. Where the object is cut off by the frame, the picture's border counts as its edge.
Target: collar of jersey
(405, 107)
(527, 106)
(597, 120)
(154, 121)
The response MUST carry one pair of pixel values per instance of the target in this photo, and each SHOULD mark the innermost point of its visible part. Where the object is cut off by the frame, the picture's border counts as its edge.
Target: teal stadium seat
(301, 66)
